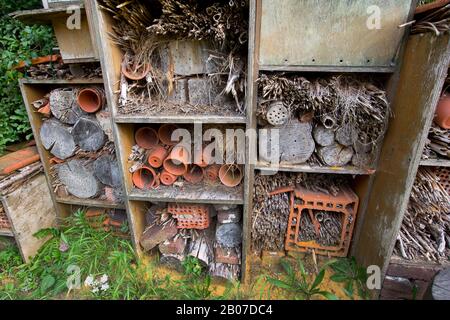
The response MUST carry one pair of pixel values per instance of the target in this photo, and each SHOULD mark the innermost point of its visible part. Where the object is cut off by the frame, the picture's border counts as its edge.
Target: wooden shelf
(263, 166)
(200, 193)
(6, 233)
(292, 68)
(435, 163)
(61, 81)
(41, 16)
(418, 263)
(189, 118)
(89, 202)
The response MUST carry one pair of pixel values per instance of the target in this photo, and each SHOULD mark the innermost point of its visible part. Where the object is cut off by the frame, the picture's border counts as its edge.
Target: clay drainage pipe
(177, 161)
(194, 174)
(212, 172)
(157, 156)
(165, 134)
(167, 178)
(144, 178)
(146, 137)
(230, 175)
(90, 100)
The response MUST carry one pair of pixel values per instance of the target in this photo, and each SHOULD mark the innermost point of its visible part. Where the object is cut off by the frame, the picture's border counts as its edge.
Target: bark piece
(227, 255)
(64, 105)
(56, 138)
(104, 119)
(176, 245)
(336, 155)
(78, 177)
(226, 271)
(202, 246)
(441, 285)
(324, 137)
(106, 170)
(157, 234)
(88, 134)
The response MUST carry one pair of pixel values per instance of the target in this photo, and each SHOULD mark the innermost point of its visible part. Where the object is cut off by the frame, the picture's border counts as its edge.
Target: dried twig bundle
(438, 21)
(425, 232)
(438, 144)
(271, 214)
(354, 102)
(135, 12)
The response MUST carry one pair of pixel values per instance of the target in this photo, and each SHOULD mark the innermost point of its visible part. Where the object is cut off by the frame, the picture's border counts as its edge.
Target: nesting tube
(194, 174)
(167, 178)
(165, 134)
(90, 99)
(328, 122)
(144, 178)
(230, 175)
(212, 172)
(177, 161)
(146, 137)
(157, 155)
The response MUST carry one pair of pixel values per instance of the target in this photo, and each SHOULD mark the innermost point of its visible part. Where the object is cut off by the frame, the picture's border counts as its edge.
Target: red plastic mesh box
(190, 216)
(444, 178)
(321, 222)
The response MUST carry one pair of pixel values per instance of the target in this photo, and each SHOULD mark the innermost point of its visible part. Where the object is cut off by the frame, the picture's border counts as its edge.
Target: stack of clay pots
(165, 161)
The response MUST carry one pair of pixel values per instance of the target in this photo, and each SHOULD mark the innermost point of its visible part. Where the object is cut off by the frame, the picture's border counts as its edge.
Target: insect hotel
(337, 119)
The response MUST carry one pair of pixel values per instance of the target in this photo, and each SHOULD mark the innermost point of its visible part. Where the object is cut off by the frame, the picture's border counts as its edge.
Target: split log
(362, 160)
(172, 261)
(201, 247)
(64, 105)
(56, 138)
(107, 171)
(323, 136)
(296, 142)
(25, 173)
(78, 177)
(157, 234)
(88, 134)
(336, 155)
(226, 271)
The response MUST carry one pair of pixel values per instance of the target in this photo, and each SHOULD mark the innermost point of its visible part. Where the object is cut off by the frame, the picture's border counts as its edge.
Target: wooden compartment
(33, 90)
(335, 35)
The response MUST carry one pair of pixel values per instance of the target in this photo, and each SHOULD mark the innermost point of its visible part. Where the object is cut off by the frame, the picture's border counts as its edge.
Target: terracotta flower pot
(146, 137)
(165, 134)
(91, 99)
(442, 116)
(230, 175)
(133, 72)
(194, 174)
(167, 178)
(157, 156)
(144, 178)
(45, 110)
(177, 161)
(212, 172)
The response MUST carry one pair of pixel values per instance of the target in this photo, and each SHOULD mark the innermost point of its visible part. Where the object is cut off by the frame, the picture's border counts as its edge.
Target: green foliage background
(18, 42)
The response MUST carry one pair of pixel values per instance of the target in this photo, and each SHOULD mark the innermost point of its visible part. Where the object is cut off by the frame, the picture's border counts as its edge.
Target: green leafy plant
(296, 282)
(18, 42)
(353, 276)
(192, 266)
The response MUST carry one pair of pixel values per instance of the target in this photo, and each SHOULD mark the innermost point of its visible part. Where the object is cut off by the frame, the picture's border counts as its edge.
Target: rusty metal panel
(342, 33)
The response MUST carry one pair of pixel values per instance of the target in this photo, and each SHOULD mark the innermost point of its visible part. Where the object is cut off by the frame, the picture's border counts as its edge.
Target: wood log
(441, 285)
(56, 138)
(88, 134)
(64, 105)
(296, 142)
(226, 271)
(344, 135)
(172, 261)
(78, 177)
(323, 136)
(336, 155)
(107, 171)
(25, 173)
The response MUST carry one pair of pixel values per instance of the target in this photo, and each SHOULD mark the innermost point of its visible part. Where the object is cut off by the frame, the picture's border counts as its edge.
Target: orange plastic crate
(304, 201)
(444, 178)
(190, 216)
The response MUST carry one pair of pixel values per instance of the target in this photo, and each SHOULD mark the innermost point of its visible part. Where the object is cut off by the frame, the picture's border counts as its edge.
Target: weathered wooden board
(421, 79)
(332, 33)
(29, 209)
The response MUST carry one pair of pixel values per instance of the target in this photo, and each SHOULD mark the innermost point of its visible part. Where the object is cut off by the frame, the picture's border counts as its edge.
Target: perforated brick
(303, 202)
(190, 216)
